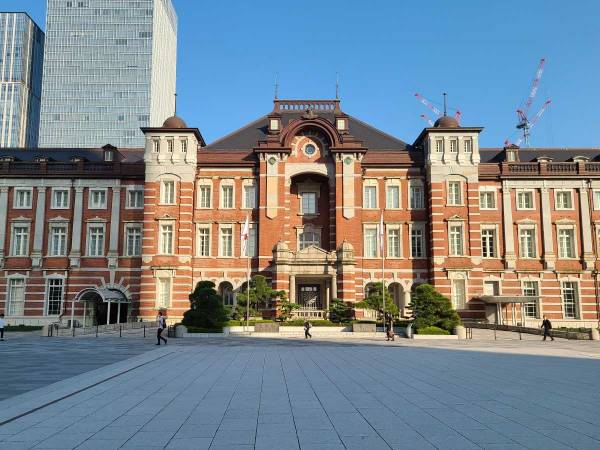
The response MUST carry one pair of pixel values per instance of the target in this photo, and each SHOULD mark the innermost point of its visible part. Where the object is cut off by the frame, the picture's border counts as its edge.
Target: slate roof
(247, 137)
(496, 155)
(128, 155)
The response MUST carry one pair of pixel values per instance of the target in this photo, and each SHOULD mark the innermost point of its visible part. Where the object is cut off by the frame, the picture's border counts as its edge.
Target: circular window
(348, 161)
(272, 160)
(310, 149)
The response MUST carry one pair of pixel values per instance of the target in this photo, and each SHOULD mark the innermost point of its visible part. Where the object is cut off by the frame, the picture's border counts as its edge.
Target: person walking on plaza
(389, 329)
(162, 324)
(547, 326)
(2, 324)
(307, 327)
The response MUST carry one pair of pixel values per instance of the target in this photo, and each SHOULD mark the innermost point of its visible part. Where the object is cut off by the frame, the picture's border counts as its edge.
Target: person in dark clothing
(389, 327)
(547, 327)
(307, 327)
(2, 323)
(162, 324)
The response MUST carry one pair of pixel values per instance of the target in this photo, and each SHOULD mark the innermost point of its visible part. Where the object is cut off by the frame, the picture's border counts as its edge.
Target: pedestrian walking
(547, 326)
(162, 324)
(307, 327)
(389, 331)
(2, 324)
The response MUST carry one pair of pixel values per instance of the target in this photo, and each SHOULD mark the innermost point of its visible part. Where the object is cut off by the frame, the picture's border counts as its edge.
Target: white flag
(381, 234)
(244, 236)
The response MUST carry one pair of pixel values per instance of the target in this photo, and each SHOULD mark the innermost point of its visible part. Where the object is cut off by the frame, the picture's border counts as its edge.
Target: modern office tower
(21, 60)
(109, 69)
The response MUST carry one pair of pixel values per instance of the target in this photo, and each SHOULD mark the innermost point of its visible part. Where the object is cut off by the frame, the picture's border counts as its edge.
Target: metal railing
(565, 334)
(56, 329)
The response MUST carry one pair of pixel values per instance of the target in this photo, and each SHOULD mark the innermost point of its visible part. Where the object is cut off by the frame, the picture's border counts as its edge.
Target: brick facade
(485, 226)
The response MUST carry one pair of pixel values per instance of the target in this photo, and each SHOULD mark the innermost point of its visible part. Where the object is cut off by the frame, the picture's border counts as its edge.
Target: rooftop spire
(337, 85)
(276, 85)
(175, 104)
(445, 106)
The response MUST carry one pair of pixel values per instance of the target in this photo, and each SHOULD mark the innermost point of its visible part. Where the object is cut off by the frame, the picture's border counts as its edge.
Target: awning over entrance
(106, 294)
(508, 299)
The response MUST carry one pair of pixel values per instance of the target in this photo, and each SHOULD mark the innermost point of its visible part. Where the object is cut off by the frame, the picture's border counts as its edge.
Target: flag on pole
(244, 236)
(381, 235)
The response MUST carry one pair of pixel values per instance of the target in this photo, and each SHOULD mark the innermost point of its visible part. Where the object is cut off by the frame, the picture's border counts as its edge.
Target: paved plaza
(244, 393)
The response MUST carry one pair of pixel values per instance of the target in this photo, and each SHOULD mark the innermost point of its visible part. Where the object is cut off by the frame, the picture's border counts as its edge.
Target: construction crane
(525, 124)
(435, 110)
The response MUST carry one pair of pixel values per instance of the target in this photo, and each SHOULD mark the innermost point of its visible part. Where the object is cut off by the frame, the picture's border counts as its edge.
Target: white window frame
(573, 230)
(161, 242)
(494, 230)
(16, 198)
(9, 295)
(88, 240)
(396, 229)
(524, 290)
(245, 204)
(458, 304)
(221, 235)
(414, 184)
(226, 185)
(206, 184)
(493, 193)
(596, 199)
(558, 205)
(252, 243)
(375, 229)
(370, 184)
(22, 252)
(420, 227)
(92, 204)
(184, 145)
(518, 194)
(156, 145)
(528, 227)
(468, 145)
(48, 282)
(199, 227)
(453, 145)
(170, 145)
(128, 192)
(316, 209)
(576, 301)
(128, 228)
(160, 304)
(450, 199)
(395, 185)
(451, 250)
(439, 145)
(51, 235)
(306, 231)
(165, 198)
(54, 204)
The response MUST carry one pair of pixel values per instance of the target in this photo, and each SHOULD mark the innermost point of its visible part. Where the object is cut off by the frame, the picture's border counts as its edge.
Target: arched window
(308, 238)
(226, 291)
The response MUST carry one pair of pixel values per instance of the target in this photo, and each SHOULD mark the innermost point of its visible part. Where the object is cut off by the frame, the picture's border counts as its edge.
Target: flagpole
(247, 289)
(382, 247)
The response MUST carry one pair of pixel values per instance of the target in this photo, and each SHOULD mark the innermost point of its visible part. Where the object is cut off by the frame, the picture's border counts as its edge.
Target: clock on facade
(310, 149)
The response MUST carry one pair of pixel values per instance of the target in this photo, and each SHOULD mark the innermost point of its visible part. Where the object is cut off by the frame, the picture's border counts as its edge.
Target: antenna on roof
(175, 104)
(445, 106)
(276, 85)
(337, 85)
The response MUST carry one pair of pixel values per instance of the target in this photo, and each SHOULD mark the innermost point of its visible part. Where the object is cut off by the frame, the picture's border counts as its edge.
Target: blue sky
(483, 53)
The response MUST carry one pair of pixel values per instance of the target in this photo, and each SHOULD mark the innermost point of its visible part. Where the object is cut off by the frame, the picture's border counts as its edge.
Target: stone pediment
(312, 250)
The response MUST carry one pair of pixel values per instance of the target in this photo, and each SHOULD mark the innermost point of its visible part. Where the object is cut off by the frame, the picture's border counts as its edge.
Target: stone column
(586, 227)
(509, 238)
(3, 226)
(292, 289)
(327, 296)
(334, 293)
(75, 254)
(549, 255)
(38, 237)
(113, 248)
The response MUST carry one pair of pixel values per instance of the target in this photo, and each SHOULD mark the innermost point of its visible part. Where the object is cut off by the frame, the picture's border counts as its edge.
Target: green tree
(339, 311)
(285, 308)
(206, 307)
(260, 293)
(374, 300)
(430, 308)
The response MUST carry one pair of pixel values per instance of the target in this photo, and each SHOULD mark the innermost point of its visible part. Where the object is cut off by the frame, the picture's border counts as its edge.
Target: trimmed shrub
(204, 330)
(207, 309)
(430, 308)
(339, 311)
(432, 330)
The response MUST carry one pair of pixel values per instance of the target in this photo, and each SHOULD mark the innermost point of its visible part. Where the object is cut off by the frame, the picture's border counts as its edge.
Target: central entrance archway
(105, 305)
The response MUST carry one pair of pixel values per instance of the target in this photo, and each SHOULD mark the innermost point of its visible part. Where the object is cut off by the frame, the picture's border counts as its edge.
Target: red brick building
(509, 234)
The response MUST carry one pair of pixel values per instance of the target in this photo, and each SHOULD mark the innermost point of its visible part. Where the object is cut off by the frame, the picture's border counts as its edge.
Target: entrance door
(309, 296)
(102, 311)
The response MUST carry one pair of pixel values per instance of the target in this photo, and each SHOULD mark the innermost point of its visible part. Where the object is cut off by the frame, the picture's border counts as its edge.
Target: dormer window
(76, 159)
(580, 159)
(40, 159)
(7, 158)
(274, 124)
(341, 124)
(543, 159)
(109, 155)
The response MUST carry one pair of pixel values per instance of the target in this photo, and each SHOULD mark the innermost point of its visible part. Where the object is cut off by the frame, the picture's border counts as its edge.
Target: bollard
(120, 330)
(96, 330)
(495, 333)
(73, 328)
(144, 330)
(520, 337)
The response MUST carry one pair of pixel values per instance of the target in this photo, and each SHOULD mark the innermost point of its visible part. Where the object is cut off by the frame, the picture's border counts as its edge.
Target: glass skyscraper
(21, 60)
(109, 69)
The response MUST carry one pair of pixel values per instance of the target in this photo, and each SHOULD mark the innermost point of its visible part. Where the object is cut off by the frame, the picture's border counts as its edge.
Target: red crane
(435, 110)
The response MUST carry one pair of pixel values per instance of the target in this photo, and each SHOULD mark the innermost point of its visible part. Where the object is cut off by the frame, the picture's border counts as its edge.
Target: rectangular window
(226, 242)
(491, 288)
(204, 241)
(58, 240)
(468, 145)
(439, 146)
(135, 198)
(133, 241)
(170, 145)
(163, 299)
(250, 196)
(393, 243)
(453, 146)
(487, 200)
(370, 200)
(96, 241)
(596, 199)
(393, 197)
(20, 240)
(530, 289)
(167, 192)
(459, 294)
(97, 199)
(564, 200)
(456, 240)
(251, 244)
(417, 242)
(416, 197)
(566, 243)
(166, 239)
(156, 146)
(454, 193)
(524, 200)
(370, 243)
(60, 198)
(54, 296)
(570, 299)
(204, 195)
(23, 198)
(227, 196)
(488, 243)
(308, 203)
(527, 243)
(184, 145)
(16, 297)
